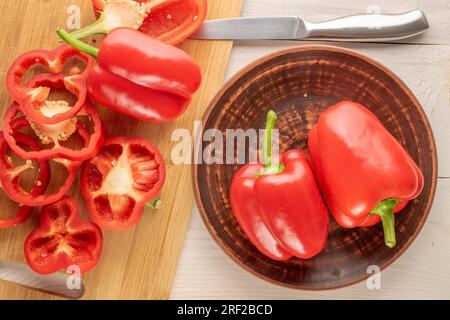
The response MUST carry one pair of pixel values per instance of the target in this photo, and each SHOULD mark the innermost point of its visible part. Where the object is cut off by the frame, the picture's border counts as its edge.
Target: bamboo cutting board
(139, 263)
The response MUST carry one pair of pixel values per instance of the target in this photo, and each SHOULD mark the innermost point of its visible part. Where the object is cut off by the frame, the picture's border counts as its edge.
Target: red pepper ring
(92, 142)
(63, 239)
(32, 99)
(39, 186)
(9, 176)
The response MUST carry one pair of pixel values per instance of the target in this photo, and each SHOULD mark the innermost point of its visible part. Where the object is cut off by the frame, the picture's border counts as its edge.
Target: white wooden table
(423, 272)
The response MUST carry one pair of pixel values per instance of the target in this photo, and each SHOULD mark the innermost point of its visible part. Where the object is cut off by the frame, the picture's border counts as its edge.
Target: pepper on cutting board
(139, 76)
(364, 173)
(34, 101)
(120, 180)
(52, 135)
(278, 205)
(170, 21)
(40, 185)
(63, 239)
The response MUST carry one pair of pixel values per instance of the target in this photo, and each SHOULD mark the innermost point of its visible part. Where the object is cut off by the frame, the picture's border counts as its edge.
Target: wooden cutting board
(139, 263)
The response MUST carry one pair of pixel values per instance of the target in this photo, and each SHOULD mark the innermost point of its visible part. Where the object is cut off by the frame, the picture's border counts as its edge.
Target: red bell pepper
(9, 173)
(364, 172)
(33, 101)
(63, 240)
(171, 21)
(53, 134)
(38, 187)
(139, 76)
(279, 206)
(117, 183)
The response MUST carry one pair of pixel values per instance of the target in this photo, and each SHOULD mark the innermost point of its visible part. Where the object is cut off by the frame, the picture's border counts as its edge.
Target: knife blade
(362, 28)
(54, 283)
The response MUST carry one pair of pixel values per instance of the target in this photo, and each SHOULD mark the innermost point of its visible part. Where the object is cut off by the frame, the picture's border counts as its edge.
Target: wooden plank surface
(205, 272)
(138, 263)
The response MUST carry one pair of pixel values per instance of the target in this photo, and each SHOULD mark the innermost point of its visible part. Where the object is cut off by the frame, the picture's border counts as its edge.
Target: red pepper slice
(171, 21)
(54, 133)
(63, 240)
(364, 173)
(9, 173)
(118, 182)
(280, 207)
(38, 187)
(140, 76)
(33, 101)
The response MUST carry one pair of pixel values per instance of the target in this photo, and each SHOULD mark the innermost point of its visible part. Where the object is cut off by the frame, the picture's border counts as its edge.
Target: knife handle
(370, 27)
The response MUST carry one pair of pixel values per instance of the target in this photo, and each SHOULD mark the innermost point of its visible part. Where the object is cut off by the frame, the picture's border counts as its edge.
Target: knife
(54, 284)
(360, 28)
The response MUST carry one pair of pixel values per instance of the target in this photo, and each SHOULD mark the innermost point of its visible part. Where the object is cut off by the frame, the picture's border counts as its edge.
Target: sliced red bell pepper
(9, 173)
(279, 206)
(39, 185)
(63, 240)
(140, 76)
(117, 183)
(171, 21)
(364, 172)
(33, 101)
(54, 133)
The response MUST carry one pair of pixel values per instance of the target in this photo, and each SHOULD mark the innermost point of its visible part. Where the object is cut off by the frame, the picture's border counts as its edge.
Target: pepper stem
(269, 166)
(97, 27)
(84, 47)
(155, 204)
(385, 209)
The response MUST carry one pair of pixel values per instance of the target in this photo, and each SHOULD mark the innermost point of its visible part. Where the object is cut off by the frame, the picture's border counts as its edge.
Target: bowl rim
(304, 48)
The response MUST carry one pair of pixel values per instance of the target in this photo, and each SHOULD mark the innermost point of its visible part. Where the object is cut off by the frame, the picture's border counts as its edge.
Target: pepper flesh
(148, 80)
(63, 239)
(283, 199)
(361, 168)
(171, 21)
(120, 180)
(39, 186)
(32, 100)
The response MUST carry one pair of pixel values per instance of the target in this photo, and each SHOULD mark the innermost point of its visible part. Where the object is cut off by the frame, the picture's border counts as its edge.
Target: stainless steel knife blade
(364, 27)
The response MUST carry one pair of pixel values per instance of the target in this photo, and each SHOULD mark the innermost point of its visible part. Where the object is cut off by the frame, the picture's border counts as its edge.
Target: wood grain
(138, 263)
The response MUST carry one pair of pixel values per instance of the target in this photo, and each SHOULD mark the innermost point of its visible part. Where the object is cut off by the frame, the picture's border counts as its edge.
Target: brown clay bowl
(299, 84)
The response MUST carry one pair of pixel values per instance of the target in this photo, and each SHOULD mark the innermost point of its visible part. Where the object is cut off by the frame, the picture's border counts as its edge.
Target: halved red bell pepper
(54, 133)
(39, 185)
(171, 21)
(63, 240)
(33, 101)
(364, 172)
(139, 76)
(9, 173)
(279, 206)
(117, 183)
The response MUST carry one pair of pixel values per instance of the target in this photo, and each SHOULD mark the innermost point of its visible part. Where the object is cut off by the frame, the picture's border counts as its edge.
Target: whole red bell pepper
(363, 171)
(120, 180)
(33, 101)
(171, 21)
(63, 240)
(52, 135)
(279, 206)
(39, 186)
(139, 76)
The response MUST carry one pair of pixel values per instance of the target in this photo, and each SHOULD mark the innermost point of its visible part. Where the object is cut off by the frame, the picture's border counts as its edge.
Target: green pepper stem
(94, 28)
(84, 47)
(269, 166)
(385, 209)
(154, 204)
